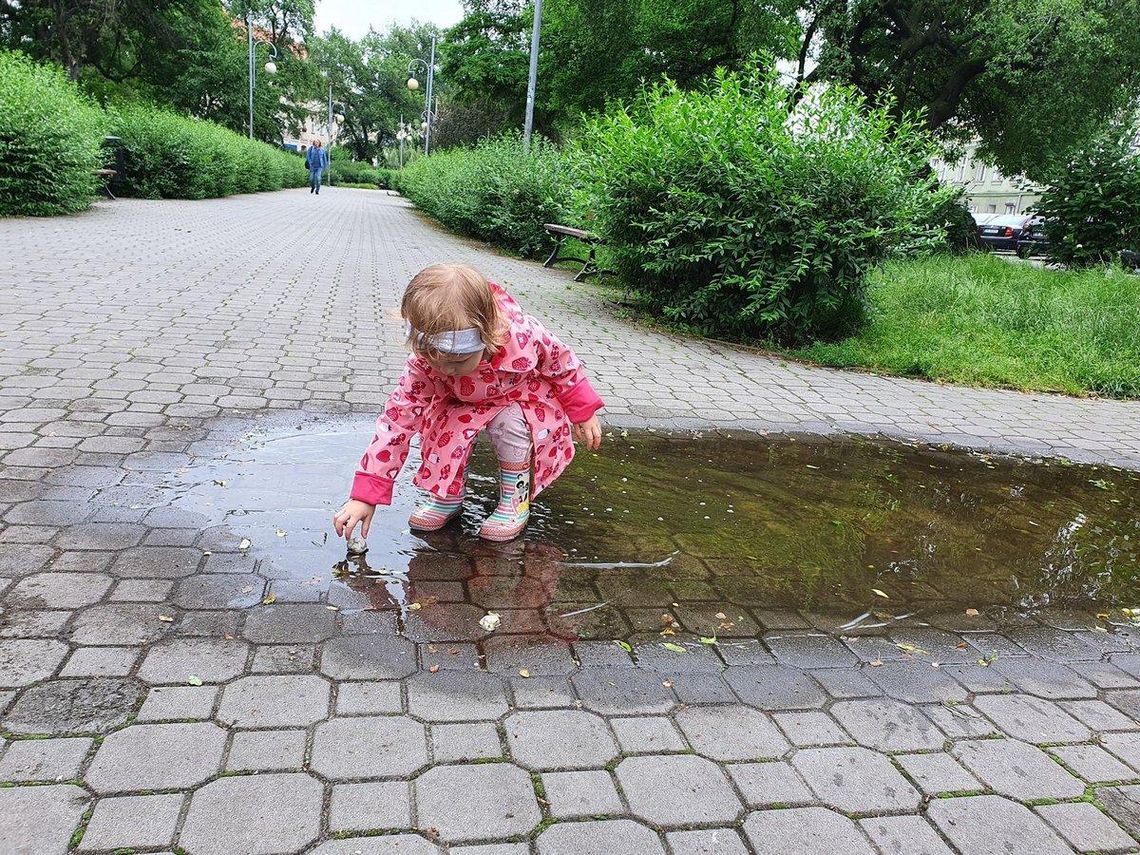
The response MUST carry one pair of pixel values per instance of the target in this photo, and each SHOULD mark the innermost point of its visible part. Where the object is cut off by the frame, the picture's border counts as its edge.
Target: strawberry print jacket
(533, 369)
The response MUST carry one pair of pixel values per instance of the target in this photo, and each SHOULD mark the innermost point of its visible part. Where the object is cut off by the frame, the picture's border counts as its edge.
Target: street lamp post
(270, 66)
(414, 84)
(532, 80)
(330, 128)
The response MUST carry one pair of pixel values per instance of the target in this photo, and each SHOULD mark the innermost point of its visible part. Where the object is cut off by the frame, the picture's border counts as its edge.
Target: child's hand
(353, 512)
(589, 433)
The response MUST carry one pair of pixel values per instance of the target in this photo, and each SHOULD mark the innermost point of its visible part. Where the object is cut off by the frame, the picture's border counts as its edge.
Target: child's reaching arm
(560, 366)
(400, 420)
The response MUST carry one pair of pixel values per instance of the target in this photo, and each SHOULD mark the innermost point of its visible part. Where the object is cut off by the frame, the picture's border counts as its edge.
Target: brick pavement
(174, 711)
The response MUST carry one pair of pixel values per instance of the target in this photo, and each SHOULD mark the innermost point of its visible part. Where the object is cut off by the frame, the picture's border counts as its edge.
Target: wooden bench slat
(555, 228)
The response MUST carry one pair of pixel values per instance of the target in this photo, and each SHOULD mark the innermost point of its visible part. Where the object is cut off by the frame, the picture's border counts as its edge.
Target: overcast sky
(354, 17)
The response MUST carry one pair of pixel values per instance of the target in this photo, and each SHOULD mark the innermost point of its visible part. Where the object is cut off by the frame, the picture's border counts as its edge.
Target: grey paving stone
(1055, 644)
(133, 822)
(212, 660)
(775, 687)
(992, 825)
(301, 623)
(1086, 828)
(58, 590)
(937, 773)
(100, 662)
(887, 725)
(94, 705)
(1032, 719)
(121, 624)
(731, 733)
(602, 837)
(541, 693)
(40, 820)
(493, 849)
(453, 743)
(1123, 805)
(156, 757)
(846, 683)
(34, 624)
(915, 682)
(275, 701)
(498, 802)
(810, 729)
(456, 696)
(1126, 746)
(959, 721)
(24, 661)
(96, 536)
(368, 657)
(774, 784)
(368, 747)
(254, 814)
(1128, 702)
(647, 735)
(219, 591)
(622, 691)
(855, 780)
(805, 831)
(1098, 716)
(802, 650)
(904, 835)
(156, 562)
(375, 806)
(283, 659)
(709, 841)
(559, 739)
(178, 703)
(388, 844)
(508, 654)
(1050, 680)
(577, 795)
(677, 790)
(44, 759)
(1093, 764)
(1017, 769)
(267, 751)
(370, 698)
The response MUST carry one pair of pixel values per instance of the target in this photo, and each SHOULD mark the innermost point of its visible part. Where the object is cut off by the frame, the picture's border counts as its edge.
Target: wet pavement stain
(685, 535)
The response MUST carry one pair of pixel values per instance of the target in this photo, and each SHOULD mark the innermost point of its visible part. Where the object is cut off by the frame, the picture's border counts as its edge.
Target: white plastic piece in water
(490, 621)
(357, 546)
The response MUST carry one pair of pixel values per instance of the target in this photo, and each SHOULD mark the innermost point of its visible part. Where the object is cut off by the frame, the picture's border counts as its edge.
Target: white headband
(459, 342)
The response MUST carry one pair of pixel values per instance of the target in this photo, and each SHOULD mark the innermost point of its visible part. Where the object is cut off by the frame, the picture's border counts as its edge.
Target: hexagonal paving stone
(775, 687)
(887, 725)
(732, 733)
(129, 822)
(369, 657)
(157, 562)
(916, 683)
(707, 841)
(368, 747)
(601, 837)
(899, 834)
(121, 623)
(275, 701)
(456, 696)
(44, 759)
(1017, 769)
(388, 844)
(157, 757)
(992, 825)
(301, 623)
(59, 590)
(1086, 828)
(622, 690)
(559, 739)
(498, 801)
(40, 820)
(805, 831)
(1123, 805)
(212, 660)
(253, 814)
(220, 591)
(678, 790)
(27, 661)
(95, 705)
(1032, 719)
(855, 780)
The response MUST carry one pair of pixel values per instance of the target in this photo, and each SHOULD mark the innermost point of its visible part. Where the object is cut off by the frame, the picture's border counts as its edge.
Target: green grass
(982, 320)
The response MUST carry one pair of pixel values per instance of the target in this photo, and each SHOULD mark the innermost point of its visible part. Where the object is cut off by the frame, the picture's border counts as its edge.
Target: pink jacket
(533, 369)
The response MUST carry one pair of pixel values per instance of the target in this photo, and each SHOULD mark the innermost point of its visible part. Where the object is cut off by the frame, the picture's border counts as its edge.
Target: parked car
(1033, 240)
(1003, 231)
(1130, 260)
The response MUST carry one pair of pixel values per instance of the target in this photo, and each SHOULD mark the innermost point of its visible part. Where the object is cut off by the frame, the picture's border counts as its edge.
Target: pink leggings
(510, 435)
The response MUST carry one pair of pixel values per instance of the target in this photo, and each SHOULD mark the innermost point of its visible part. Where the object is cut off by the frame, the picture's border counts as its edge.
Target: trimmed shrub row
(355, 172)
(50, 138)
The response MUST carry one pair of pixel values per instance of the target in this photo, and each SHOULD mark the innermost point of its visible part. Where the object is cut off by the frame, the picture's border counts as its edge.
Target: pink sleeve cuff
(580, 401)
(372, 489)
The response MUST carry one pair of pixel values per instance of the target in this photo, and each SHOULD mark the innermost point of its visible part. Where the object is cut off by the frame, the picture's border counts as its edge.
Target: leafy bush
(168, 156)
(355, 172)
(952, 222)
(1092, 204)
(732, 213)
(50, 138)
(497, 191)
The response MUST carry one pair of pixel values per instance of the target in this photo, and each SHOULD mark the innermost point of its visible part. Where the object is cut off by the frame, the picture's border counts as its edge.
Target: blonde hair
(446, 297)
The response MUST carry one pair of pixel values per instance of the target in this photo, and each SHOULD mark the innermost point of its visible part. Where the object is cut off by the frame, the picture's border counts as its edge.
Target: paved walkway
(175, 710)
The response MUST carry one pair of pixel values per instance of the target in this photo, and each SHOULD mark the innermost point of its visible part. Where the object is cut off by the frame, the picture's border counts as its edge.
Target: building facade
(987, 191)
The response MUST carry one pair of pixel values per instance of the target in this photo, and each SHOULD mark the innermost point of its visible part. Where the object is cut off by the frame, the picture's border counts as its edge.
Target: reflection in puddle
(711, 536)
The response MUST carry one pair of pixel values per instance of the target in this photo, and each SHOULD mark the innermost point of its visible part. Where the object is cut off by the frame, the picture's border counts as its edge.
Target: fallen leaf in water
(667, 619)
(490, 621)
(676, 648)
(194, 680)
(708, 639)
(879, 593)
(668, 631)
(247, 589)
(668, 684)
(971, 612)
(415, 607)
(434, 669)
(281, 532)
(721, 616)
(333, 608)
(246, 543)
(166, 618)
(961, 645)
(523, 672)
(911, 648)
(269, 600)
(432, 648)
(624, 645)
(876, 663)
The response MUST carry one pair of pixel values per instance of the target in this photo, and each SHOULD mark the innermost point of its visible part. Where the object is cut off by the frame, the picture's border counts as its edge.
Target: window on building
(991, 209)
(961, 170)
(1010, 208)
(996, 177)
(980, 173)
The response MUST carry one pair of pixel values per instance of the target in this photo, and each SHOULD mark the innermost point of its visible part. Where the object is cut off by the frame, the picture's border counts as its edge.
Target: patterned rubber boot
(508, 520)
(435, 512)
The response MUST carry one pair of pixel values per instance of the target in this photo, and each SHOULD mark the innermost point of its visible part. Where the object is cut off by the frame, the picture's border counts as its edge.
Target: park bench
(560, 233)
(107, 176)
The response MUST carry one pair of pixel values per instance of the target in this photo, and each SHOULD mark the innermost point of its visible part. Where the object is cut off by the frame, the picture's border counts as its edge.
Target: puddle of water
(712, 530)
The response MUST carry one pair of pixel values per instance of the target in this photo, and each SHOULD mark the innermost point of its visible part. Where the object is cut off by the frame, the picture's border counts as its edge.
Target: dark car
(1003, 231)
(1033, 240)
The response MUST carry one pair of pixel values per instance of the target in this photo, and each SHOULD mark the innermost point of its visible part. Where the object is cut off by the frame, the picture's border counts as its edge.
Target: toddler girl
(477, 362)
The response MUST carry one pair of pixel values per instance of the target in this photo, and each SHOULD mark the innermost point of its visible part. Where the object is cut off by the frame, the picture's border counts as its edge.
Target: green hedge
(50, 137)
(734, 216)
(355, 172)
(497, 191)
(168, 156)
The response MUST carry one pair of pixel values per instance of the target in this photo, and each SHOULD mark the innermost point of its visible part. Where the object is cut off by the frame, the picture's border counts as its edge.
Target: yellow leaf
(269, 600)
(166, 618)
(523, 672)
(676, 648)
(971, 612)
(879, 593)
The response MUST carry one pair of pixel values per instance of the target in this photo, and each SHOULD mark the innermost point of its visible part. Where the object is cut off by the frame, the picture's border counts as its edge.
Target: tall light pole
(270, 66)
(329, 127)
(532, 82)
(414, 84)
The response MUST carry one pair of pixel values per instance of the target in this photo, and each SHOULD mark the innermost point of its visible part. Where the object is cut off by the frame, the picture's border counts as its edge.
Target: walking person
(317, 160)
